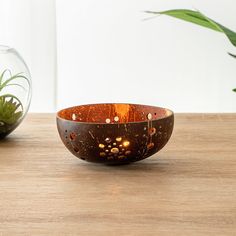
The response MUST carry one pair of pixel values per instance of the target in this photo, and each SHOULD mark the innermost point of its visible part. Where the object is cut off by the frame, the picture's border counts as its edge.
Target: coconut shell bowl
(114, 133)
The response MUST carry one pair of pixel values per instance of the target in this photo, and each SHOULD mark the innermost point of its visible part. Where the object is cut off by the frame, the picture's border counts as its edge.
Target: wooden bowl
(114, 133)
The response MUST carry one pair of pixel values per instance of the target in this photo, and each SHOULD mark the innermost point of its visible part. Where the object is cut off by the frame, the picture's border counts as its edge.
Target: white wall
(29, 26)
(107, 53)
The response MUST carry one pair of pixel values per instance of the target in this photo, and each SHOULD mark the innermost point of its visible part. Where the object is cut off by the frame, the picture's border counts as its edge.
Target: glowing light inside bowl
(126, 143)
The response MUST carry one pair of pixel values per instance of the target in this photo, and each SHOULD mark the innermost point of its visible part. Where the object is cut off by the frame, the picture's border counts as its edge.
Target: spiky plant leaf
(10, 110)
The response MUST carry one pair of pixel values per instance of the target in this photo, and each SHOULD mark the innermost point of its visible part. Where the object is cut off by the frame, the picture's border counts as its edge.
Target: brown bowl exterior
(115, 142)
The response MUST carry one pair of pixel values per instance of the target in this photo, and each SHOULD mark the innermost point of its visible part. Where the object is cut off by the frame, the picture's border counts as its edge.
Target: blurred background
(95, 51)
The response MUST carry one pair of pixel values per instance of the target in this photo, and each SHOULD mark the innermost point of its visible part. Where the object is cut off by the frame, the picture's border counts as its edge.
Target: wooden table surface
(188, 188)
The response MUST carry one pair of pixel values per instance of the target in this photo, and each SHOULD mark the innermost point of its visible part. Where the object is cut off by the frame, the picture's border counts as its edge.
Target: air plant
(11, 107)
(198, 18)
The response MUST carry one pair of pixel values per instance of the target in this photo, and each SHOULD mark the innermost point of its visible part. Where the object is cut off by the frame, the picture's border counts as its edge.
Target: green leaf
(234, 90)
(14, 77)
(232, 55)
(198, 18)
(2, 75)
(10, 111)
(11, 108)
(12, 97)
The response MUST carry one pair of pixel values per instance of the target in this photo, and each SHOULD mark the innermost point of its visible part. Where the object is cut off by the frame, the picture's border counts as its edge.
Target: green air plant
(11, 108)
(198, 18)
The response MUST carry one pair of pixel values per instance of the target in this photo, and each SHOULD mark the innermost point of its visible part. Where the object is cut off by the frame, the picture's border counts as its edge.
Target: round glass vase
(15, 90)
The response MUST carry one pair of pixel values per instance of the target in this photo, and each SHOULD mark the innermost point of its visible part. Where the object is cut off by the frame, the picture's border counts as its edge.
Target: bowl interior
(113, 113)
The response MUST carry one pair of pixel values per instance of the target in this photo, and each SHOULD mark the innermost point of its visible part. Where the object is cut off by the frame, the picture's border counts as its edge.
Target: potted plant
(15, 91)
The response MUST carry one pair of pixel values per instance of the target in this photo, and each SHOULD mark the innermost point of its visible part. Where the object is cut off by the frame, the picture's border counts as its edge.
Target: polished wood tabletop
(188, 188)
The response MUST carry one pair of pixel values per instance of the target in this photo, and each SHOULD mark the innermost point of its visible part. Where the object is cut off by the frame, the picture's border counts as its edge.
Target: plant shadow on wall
(11, 108)
(198, 18)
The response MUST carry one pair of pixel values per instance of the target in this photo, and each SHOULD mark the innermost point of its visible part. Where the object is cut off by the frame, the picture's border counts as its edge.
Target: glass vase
(15, 90)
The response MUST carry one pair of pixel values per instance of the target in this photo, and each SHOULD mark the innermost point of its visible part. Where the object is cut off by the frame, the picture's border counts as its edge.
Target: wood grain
(188, 188)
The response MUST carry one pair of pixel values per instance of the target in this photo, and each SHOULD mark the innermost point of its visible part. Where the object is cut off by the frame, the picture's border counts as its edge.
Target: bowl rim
(171, 113)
